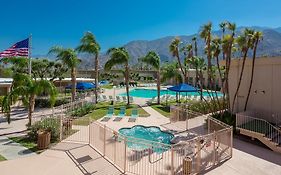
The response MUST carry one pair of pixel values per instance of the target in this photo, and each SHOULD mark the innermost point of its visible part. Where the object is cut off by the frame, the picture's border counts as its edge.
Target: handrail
(261, 120)
(272, 132)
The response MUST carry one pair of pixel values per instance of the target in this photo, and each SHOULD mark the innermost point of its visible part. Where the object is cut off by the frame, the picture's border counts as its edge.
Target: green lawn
(26, 142)
(2, 158)
(162, 109)
(107, 86)
(101, 110)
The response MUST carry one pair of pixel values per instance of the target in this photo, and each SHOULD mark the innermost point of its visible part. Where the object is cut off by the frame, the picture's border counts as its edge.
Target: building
(265, 94)
(262, 118)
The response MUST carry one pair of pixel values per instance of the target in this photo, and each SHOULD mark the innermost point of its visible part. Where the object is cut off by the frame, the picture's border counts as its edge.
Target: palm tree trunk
(73, 82)
(30, 108)
(181, 68)
(96, 77)
(158, 86)
(127, 83)
(252, 74)
(240, 80)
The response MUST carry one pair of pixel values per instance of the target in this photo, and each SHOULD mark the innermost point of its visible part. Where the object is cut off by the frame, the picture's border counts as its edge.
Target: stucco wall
(266, 89)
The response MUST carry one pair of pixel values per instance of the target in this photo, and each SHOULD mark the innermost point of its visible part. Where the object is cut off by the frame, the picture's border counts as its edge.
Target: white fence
(155, 158)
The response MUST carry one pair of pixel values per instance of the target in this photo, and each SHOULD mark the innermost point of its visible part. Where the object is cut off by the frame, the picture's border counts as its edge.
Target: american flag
(20, 49)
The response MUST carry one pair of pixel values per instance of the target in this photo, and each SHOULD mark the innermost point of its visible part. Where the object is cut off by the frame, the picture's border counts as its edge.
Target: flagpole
(29, 54)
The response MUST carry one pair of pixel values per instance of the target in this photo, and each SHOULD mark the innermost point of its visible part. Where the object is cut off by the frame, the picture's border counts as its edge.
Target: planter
(44, 139)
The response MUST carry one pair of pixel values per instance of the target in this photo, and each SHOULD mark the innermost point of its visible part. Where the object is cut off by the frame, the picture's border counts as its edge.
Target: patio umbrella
(182, 88)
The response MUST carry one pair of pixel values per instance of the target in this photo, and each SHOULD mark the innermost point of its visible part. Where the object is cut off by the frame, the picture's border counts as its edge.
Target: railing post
(104, 137)
(231, 141)
(209, 125)
(172, 161)
(198, 158)
(61, 123)
(125, 154)
(214, 148)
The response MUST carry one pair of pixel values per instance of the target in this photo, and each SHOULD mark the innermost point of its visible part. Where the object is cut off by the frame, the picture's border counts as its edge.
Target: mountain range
(270, 46)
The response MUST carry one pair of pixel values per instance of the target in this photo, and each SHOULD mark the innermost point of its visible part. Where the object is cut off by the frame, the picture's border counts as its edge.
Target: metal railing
(260, 126)
(140, 156)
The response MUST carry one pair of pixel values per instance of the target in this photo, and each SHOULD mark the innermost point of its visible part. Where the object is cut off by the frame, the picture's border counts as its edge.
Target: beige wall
(266, 89)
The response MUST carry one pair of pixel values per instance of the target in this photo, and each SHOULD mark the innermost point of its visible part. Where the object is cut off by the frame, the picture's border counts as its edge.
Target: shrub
(1, 100)
(50, 124)
(226, 117)
(45, 102)
(81, 111)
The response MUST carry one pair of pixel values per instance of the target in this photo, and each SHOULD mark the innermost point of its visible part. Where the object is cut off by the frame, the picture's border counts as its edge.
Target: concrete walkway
(12, 150)
(64, 158)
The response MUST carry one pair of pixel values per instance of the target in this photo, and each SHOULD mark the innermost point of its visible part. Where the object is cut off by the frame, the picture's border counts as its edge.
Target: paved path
(12, 150)
(64, 158)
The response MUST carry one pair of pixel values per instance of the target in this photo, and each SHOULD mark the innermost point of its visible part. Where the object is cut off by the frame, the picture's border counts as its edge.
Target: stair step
(272, 134)
(277, 139)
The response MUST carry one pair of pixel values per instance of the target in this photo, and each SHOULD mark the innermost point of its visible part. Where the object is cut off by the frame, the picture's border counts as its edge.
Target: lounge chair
(131, 99)
(110, 98)
(152, 100)
(104, 97)
(118, 99)
(109, 114)
(121, 114)
(134, 115)
(124, 98)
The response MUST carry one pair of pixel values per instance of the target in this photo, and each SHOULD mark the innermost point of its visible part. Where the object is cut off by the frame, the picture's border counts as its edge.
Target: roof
(183, 88)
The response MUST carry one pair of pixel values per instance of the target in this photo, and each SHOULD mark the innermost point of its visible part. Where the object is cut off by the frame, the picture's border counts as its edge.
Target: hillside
(269, 46)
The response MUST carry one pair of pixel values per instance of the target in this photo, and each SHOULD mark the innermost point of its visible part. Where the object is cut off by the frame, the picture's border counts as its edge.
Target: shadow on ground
(87, 159)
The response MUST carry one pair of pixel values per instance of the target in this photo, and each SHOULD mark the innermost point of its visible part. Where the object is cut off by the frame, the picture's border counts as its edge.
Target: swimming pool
(137, 134)
(150, 93)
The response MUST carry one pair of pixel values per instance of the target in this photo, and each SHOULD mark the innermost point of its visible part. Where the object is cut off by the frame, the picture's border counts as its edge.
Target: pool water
(137, 134)
(150, 93)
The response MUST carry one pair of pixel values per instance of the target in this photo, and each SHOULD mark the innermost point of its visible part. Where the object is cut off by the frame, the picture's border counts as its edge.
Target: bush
(45, 102)
(1, 100)
(226, 117)
(81, 111)
(50, 124)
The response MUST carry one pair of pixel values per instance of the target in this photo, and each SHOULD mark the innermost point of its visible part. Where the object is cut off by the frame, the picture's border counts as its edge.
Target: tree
(194, 39)
(207, 36)
(91, 46)
(25, 87)
(244, 43)
(215, 51)
(175, 50)
(170, 71)
(153, 59)
(227, 48)
(257, 36)
(69, 58)
(119, 56)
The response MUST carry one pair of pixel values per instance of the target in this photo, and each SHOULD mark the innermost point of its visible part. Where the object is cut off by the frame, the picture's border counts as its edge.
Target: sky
(117, 22)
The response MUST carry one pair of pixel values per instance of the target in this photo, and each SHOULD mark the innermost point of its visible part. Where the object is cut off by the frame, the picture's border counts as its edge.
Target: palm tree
(70, 59)
(257, 36)
(119, 56)
(201, 66)
(194, 39)
(175, 50)
(207, 36)
(244, 43)
(90, 45)
(25, 87)
(216, 50)
(168, 72)
(227, 48)
(153, 59)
